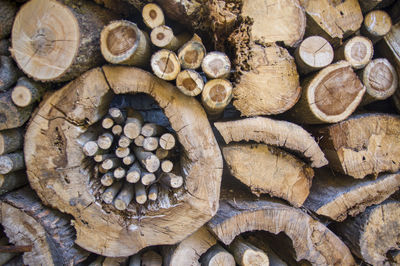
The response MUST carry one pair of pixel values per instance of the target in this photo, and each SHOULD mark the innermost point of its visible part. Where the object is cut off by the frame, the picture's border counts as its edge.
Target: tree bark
(338, 196)
(27, 222)
(362, 145)
(45, 31)
(12, 116)
(4, 46)
(246, 254)
(373, 233)
(12, 181)
(8, 73)
(11, 140)
(8, 9)
(273, 132)
(330, 96)
(217, 255)
(270, 65)
(26, 92)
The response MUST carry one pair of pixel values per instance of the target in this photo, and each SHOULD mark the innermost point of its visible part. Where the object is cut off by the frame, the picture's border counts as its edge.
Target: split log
(188, 251)
(266, 169)
(270, 65)
(26, 92)
(107, 122)
(153, 192)
(140, 193)
(216, 95)
(122, 42)
(151, 258)
(190, 82)
(313, 53)
(117, 130)
(362, 145)
(124, 197)
(12, 116)
(12, 181)
(111, 192)
(147, 159)
(27, 222)
(246, 254)
(286, 21)
(311, 240)
(152, 130)
(8, 73)
(273, 132)
(163, 37)
(11, 162)
(133, 124)
(8, 9)
(376, 25)
(11, 140)
(171, 180)
(373, 233)
(358, 51)
(153, 16)
(150, 143)
(336, 196)
(58, 40)
(333, 20)
(116, 115)
(4, 46)
(330, 96)
(217, 255)
(105, 141)
(216, 65)
(167, 141)
(165, 64)
(192, 53)
(380, 80)
(134, 173)
(82, 103)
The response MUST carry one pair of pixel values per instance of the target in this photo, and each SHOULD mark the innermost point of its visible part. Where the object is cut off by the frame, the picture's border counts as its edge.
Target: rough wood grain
(8, 9)
(358, 51)
(216, 256)
(12, 116)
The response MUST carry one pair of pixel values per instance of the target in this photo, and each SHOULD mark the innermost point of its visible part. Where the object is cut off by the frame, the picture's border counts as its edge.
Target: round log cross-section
(59, 172)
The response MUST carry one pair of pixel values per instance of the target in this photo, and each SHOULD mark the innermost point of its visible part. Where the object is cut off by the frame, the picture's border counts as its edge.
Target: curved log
(312, 241)
(59, 179)
(273, 132)
(27, 222)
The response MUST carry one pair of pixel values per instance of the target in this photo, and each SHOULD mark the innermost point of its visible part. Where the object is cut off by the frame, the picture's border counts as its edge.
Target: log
(124, 141)
(358, 51)
(246, 254)
(101, 157)
(147, 159)
(313, 54)
(332, 20)
(282, 134)
(134, 173)
(147, 178)
(111, 163)
(188, 251)
(133, 124)
(165, 64)
(8, 73)
(161, 153)
(139, 141)
(107, 179)
(260, 242)
(171, 180)
(140, 193)
(150, 143)
(329, 96)
(12, 116)
(122, 152)
(338, 196)
(152, 130)
(153, 192)
(46, 31)
(124, 197)
(107, 122)
(4, 46)
(111, 192)
(91, 149)
(311, 240)
(28, 222)
(122, 42)
(362, 145)
(192, 53)
(286, 21)
(216, 95)
(11, 140)
(8, 10)
(167, 141)
(167, 166)
(26, 92)
(135, 260)
(12, 162)
(151, 258)
(163, 37)
(12, 181)
(266, 169)
(216, 65)
(117, 115)
(190, 82)
(270, 65)
(380, 80)
(128, 160)
(376, 25)
(117, 130)
(82, 103)
(105, 141)
(217, 255)
(119, 172)
(373, 233)
(153, 16)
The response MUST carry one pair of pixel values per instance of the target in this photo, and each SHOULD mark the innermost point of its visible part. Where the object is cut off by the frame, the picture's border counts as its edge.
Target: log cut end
(153, 16)
(165, 64)
(192, 53)
(358, 51)
(216, 95)
(190, 82)
(377, 24)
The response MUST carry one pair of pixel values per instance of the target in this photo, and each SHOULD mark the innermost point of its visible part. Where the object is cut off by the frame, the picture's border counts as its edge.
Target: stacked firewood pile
(220, 132)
